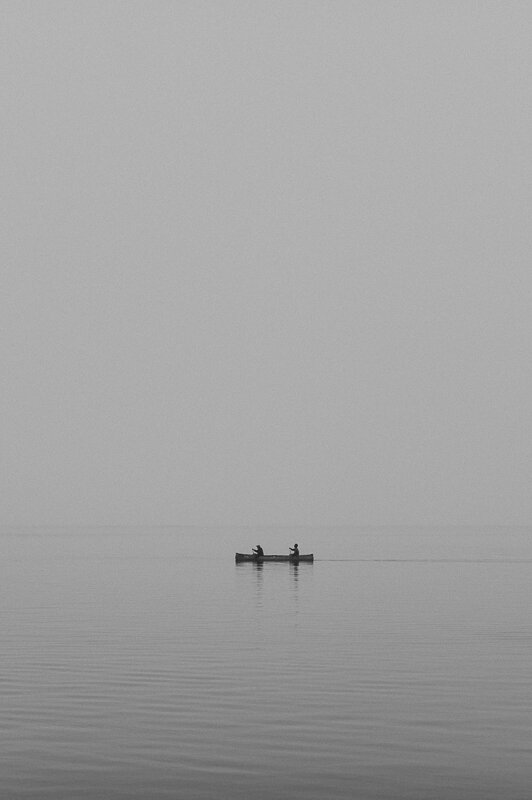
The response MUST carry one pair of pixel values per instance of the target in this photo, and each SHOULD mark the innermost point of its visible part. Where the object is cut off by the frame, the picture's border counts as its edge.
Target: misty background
(266, 263)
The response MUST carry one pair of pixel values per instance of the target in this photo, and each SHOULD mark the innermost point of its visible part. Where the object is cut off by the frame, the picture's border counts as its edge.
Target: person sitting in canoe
(295, 551)
(258, 551)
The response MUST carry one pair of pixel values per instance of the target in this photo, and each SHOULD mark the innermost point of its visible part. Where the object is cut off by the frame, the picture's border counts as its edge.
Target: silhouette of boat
(262, 559)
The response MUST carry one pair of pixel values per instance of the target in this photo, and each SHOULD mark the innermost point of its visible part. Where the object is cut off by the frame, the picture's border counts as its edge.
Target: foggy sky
(266, 262)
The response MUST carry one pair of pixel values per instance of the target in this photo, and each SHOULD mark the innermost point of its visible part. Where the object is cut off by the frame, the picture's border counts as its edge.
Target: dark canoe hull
(264, 559)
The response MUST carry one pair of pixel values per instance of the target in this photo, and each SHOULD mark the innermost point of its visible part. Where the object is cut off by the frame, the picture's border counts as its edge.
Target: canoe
(262, 559)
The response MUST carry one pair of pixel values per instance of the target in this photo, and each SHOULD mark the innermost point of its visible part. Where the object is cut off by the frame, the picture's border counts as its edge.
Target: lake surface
(144, 664)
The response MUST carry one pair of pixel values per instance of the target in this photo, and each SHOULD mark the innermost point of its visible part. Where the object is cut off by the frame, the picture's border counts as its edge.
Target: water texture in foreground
(146, 664)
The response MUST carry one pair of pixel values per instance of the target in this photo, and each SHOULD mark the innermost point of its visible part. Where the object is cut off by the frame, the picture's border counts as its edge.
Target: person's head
(296, 545)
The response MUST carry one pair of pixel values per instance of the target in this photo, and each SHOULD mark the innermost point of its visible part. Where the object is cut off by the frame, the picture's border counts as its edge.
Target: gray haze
(266, 262)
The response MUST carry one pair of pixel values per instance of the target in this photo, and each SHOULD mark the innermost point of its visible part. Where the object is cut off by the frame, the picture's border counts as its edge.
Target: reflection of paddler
(295, 551)
(258, 551)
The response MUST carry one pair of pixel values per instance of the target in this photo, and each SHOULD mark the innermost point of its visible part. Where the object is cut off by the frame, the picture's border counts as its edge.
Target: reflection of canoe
(262, 559)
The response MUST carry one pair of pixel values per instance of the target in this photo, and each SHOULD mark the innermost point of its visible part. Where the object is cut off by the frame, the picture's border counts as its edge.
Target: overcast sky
(266, 262)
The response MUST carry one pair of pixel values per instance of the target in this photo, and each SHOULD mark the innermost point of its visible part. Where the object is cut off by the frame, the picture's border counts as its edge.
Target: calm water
(398, 665)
